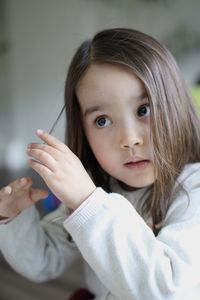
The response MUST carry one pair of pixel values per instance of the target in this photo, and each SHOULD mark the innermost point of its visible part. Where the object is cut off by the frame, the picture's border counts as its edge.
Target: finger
(38, 194)
(42, 170)
(43, 158)
(24, 182)
(51, 140)
(5, 191)
(45, 148)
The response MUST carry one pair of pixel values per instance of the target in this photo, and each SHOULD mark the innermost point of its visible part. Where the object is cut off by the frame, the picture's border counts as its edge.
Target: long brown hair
(175, 126)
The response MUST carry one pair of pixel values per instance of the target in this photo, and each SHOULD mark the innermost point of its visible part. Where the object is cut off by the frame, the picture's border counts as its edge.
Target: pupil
(143, 111)
(102, 122)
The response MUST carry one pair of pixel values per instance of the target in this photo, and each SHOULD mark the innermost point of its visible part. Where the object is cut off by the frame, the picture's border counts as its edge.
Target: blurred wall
(40, 38)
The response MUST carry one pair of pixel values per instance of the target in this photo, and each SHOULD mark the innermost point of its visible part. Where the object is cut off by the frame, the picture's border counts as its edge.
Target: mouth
(137, 165)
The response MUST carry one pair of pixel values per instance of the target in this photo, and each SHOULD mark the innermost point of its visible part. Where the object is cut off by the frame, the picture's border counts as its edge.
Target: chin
(136, 184)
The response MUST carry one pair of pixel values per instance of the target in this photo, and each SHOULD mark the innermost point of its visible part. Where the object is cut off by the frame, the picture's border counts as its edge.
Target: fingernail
(39, 131)
(23, 180)
(7, 190)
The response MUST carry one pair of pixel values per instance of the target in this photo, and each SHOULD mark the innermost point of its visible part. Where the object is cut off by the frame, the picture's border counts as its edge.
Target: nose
(130, 138)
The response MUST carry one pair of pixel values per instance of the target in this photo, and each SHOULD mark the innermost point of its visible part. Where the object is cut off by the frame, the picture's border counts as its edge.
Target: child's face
(115, 112)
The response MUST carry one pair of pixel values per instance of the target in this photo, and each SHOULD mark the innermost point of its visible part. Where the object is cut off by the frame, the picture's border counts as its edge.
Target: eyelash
(99, 118)
(142, 106)
(107, 118)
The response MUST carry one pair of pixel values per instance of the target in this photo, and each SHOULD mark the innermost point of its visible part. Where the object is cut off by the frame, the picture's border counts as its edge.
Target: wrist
(3, 218)
(75, 205)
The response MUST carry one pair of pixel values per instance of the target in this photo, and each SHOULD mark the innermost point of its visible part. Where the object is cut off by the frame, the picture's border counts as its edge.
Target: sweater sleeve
(126, 256)
(38, 250)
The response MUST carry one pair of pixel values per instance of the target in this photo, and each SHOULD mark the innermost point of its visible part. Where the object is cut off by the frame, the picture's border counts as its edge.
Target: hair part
(175, 126)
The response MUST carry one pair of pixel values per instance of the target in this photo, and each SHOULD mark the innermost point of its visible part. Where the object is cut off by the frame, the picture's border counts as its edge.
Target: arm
(129, 260)
(112, 237)
(39, 250)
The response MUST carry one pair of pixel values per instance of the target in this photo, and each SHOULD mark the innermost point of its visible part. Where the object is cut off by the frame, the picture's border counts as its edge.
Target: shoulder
(185, 204)
(190, 176)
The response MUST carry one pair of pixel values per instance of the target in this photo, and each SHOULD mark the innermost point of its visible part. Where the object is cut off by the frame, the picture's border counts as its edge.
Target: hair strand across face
(175, 126)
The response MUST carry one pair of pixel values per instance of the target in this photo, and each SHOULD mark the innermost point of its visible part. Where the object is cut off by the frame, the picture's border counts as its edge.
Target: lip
(137, 164)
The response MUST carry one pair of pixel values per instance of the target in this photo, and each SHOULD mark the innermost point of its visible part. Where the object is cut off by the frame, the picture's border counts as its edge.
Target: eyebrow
(95, 108)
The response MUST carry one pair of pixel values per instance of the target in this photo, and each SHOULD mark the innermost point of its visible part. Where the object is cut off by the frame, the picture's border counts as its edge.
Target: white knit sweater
(114, 253)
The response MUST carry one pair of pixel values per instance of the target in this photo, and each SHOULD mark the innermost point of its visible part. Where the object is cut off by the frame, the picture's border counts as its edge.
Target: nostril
(125, 146)
(131, 144)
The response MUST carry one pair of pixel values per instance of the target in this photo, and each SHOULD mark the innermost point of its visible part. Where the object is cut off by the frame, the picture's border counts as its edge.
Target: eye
(102, 121)
(144, 111)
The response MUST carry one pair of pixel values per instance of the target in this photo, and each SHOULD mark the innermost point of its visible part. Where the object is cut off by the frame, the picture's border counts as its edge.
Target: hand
(18, 195)
(61, 169)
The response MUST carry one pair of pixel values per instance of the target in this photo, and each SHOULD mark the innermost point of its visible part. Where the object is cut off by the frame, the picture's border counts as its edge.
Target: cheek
(147, 132)
(102, 150)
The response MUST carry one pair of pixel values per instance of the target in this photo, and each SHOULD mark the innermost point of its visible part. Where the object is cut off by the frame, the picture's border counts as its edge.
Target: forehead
(108, 80)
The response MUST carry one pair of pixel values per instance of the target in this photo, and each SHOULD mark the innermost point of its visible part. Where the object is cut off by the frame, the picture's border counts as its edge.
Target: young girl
(129, 179)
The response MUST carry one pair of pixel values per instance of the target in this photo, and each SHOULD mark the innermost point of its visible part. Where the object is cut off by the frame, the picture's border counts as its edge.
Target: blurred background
(37, 41)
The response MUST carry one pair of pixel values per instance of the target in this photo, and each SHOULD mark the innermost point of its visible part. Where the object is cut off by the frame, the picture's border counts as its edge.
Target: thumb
(37, 194)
